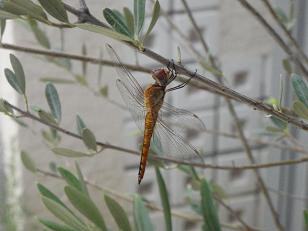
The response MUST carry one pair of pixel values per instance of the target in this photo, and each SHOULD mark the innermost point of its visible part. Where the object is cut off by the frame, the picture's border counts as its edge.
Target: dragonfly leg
(182, 84)
(172, 70)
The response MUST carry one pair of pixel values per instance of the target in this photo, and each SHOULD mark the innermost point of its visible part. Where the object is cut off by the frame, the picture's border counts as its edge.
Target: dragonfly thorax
(161, 76)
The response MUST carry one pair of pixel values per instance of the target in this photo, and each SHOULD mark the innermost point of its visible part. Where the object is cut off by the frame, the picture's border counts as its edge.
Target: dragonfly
(161, 123)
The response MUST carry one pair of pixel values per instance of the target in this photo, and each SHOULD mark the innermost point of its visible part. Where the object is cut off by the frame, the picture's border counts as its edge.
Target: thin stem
(275, 35)
(161, 157)
(285, 30)
(237, 122)
(72, 56)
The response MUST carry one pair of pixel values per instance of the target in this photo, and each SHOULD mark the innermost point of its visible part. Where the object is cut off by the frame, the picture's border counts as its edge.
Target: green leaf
(39, 34)
(164, 199)
(83, 184)
(53, 101)
(12, 80)
(283, 18)
(55, 8)
(28, 162)
(80, 125)
(45, 192)
(279, 123)
(89, 139)
(141, 215)
(129, 20)
(306, 218)
(116, 21)
(287, 66)
(63, 214)
(81, 79)
(155, 16)
(117, 213)
(274, 129)
(85, 206)
(5, 108)
(139, 12)
(300, 109)
(69, 153)
(209, 211)
(104, 91)
(23, 7)
(7, 15)
(19, 72)
(61, 62)
(57, 80)
(300, 88)
(2, 27)
(47, 117)
(55, 226)
(104, 31)
(70, 178)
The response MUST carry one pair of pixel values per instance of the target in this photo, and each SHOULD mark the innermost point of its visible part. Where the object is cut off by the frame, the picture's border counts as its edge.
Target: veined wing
(126, 76)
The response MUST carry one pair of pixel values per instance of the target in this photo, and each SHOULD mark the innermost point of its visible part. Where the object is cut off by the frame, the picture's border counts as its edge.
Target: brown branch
(204, 82)
(238, 124)
(285, 30)
(274, 35)
(72, 56)
(25, 114)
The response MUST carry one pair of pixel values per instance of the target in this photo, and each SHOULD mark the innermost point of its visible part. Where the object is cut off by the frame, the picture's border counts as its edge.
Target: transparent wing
(126, 76)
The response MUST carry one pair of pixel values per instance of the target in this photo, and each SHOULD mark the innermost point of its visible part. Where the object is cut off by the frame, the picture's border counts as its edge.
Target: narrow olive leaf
(5, 108)
(39, 34)
(80, 125)
(116, 21)
(141, 215)
(283, 18)
(12, 80)
(70, 178)
(28, 162)
(47, 117)
(69, 153)
(89, 139)
(300, 88)
(129, 20)
(279, 123)
(45, 192)
(19, 72)
(7, 15)
(155, 16)
(63, 214)
(83, 184)
(306, 218)
(208, 208)
(57, 80)
(272, 129)
(118, 213)
(287, 66)
(85, 206)
(300, 109)
(55, 226)
(164, 199)
(2, 27)
(53, 101)
(104, 90)
(139, 13)
(81, 79)
(24, 7)
(55, 8)
(104, 31)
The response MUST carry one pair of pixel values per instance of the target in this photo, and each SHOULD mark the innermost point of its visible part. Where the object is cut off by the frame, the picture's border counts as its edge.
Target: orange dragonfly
(154, 117)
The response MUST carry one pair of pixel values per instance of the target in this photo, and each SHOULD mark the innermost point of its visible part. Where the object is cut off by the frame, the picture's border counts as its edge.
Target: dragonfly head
(161, 76)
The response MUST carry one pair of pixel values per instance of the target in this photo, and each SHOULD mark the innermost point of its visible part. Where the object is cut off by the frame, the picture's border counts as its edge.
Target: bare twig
(160, 157)
(275, 35)
(237, 122)
(285, 30)
(216, 87)
(72, 56)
